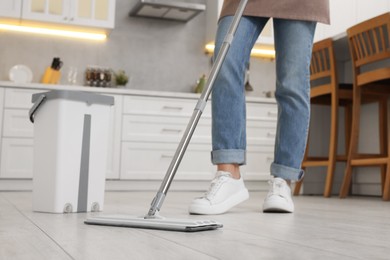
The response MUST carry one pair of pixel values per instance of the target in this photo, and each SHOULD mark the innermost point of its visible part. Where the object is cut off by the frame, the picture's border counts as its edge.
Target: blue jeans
(293, 46)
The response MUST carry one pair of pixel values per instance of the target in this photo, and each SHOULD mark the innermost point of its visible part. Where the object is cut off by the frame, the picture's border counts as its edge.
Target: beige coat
(308, 10)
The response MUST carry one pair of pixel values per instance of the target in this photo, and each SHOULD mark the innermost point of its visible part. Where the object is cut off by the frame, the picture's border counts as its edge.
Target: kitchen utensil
(20, 74)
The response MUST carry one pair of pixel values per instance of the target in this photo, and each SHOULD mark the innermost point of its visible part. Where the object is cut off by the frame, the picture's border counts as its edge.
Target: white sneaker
(223, 194)
(279, 197)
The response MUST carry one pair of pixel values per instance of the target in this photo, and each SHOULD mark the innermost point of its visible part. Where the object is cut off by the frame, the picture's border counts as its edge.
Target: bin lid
(82, 96)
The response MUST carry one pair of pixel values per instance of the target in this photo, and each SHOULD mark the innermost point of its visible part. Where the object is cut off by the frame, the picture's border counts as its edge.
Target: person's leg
(229, 119)
(293, 46)
(228, 98)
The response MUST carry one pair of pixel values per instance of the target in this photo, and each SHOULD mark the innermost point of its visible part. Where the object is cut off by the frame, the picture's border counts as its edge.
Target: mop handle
(160, 196)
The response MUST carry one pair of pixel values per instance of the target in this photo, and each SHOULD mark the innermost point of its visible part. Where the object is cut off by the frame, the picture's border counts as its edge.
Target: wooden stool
(325, 90)
(369, 43)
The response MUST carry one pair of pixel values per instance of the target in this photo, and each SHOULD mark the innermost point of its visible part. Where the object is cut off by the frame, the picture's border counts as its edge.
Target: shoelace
(215, 184)
(276, 188)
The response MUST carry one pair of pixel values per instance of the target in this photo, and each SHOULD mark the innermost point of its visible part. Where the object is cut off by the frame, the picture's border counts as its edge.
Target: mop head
(155, 223)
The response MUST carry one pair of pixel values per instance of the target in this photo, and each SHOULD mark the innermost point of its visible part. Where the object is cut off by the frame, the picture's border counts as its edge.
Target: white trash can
(70, 150)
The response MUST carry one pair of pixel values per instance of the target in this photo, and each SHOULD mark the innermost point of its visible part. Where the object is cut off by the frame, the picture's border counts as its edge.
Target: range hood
(166, 9)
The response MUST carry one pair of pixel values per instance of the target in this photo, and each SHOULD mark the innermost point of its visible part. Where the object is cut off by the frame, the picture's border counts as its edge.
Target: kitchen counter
(121, 91)
(145, 128)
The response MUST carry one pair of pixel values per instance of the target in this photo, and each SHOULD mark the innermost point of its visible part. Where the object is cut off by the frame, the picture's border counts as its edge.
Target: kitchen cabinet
(91, 13)
(153, 127)
(1, 112)
(16, 158)
(17, 134)
(113, 160)
(10, 8)
(213, 11)
(145, 129)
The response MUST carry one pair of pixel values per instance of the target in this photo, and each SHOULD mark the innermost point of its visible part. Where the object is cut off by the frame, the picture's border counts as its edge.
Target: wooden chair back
(323, 74)
(369, 43)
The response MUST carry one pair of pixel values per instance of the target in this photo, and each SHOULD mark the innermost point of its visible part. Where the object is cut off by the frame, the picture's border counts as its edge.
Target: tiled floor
(353, 228)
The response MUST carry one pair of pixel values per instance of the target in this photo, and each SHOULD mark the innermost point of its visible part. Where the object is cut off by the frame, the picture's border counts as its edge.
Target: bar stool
(325, 90)
(369, 43)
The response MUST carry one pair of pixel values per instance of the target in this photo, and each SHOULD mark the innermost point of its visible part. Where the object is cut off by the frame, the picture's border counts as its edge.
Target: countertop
(120, 91)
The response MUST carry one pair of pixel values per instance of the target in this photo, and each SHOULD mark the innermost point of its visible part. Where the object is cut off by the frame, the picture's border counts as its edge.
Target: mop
(152, 220)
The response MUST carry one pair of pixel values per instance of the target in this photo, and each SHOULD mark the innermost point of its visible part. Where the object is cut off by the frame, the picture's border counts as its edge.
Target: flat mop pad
(185, 225)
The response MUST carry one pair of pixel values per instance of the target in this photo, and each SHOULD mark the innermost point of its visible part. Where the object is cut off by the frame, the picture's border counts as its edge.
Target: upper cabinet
(213, 11)
(92, 13)
(346, 13)
(10, 8)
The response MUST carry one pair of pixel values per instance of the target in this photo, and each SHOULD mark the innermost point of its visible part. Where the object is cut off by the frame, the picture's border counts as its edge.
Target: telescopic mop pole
(170, 174)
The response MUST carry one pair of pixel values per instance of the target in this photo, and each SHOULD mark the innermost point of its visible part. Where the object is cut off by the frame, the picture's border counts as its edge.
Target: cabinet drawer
(259, 159)
(150, 161)
(19, 97)
(263, 111)
(162, 128)
(17, 124)
(16, 158)
(161, 106)
(261, 131)
(1, 110)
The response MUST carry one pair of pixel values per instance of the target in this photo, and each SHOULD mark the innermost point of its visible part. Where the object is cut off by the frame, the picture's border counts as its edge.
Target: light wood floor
(353, 228)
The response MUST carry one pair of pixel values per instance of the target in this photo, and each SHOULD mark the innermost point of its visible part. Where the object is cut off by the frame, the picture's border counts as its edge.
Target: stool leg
(353, 144)
(298, 185)
(386, 178)
(332, 145)
(386, 190)
(347, 128)
(383, 137)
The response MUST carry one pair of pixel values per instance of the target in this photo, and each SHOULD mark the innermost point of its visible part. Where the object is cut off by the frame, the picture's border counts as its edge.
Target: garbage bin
(70, 150)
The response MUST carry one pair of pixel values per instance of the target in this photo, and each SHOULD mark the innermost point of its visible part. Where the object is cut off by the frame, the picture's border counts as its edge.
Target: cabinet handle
(272, 113)
(166, 156)
(270, 134)
(172, 108)
(166, 130)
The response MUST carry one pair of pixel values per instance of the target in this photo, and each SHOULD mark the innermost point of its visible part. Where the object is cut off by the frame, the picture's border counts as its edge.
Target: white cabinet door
(1, 112)
(150, 161)
(17, 124)
(96, 13)
(267, 35)
(10, 8)
(47, 10)
(19, 98)
(16, 158)
(114, 141)
(93, 13)
(214, 8)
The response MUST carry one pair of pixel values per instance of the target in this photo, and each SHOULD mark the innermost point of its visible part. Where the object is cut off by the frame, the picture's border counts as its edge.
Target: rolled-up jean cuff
(286, 172)
(234, 156)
